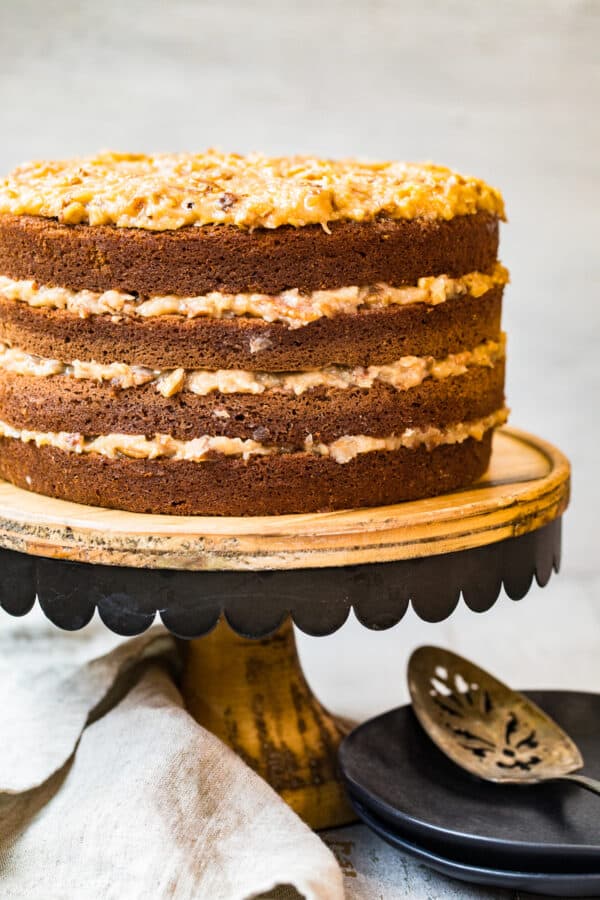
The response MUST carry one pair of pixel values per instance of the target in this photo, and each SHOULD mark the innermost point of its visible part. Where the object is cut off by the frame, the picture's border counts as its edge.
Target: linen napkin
(108, 788)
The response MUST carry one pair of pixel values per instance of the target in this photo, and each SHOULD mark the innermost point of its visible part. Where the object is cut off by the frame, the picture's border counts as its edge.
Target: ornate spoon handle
(590, 784)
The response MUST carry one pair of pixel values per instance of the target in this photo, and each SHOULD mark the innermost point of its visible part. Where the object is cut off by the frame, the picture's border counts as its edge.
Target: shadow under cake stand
(231, 586)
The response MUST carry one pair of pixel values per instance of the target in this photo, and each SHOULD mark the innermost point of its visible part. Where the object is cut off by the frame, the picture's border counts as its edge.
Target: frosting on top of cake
(169, 191)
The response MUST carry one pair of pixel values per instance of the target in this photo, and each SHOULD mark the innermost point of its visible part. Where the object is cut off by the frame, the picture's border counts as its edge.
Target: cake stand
(232, 586)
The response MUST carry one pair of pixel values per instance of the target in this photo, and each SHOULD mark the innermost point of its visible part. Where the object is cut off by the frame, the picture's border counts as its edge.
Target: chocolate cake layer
(370, 337)
(194, 261)
(60, 403)
(270, 485)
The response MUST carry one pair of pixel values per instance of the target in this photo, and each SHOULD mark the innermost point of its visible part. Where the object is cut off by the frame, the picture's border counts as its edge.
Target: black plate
(397, 773)
(554, 884)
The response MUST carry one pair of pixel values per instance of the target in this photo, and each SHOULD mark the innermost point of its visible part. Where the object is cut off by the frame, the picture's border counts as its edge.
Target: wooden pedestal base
(253, 695)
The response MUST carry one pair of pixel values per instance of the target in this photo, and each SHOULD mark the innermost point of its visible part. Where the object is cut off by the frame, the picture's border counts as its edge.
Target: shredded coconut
(343, 450)
(403, 374)
(290, 307)
(169, 191)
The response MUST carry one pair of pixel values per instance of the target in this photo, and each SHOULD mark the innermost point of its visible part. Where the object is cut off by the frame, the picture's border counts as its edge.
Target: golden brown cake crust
(195, 261)
(369, 337)
(269, 485)
(61, 403)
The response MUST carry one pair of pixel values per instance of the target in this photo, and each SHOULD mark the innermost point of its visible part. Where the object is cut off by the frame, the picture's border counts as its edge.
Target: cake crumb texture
(263, 485)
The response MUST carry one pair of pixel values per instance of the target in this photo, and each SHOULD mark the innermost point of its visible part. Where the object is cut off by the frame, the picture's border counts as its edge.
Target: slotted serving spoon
(487, 728)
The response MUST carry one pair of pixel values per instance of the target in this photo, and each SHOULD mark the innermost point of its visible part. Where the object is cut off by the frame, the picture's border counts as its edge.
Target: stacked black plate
(542, 838)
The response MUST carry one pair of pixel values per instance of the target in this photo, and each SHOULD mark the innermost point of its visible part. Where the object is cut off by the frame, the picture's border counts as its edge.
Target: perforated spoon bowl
(487, 728)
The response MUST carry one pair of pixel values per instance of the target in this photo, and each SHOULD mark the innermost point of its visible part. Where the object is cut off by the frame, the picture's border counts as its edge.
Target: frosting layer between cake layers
(306, 335)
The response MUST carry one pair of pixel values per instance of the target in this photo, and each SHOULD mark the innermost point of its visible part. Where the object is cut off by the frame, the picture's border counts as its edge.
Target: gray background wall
(506, 90)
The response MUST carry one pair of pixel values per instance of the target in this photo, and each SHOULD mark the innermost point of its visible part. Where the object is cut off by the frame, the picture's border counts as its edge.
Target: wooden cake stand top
(526, 487)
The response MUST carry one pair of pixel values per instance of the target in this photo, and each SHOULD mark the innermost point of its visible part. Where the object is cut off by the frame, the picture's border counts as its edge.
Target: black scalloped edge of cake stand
(256, 603)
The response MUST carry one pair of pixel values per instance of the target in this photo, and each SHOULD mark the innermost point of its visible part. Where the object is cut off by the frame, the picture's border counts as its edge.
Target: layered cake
(227, 335)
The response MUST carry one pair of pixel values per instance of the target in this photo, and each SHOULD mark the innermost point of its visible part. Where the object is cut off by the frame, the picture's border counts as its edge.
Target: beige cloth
(108, 788)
